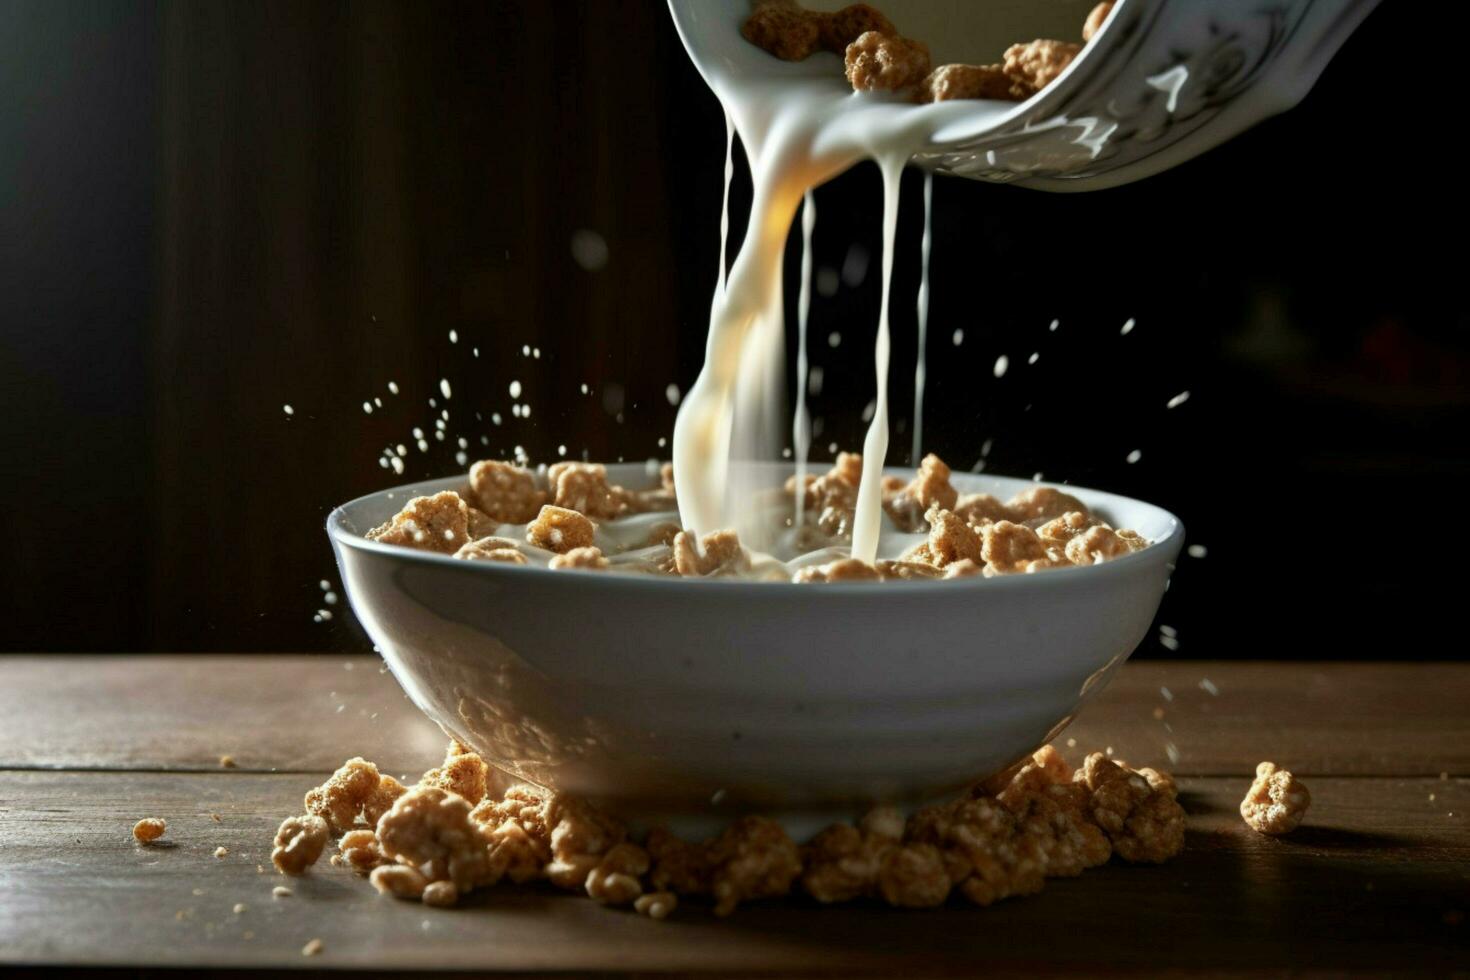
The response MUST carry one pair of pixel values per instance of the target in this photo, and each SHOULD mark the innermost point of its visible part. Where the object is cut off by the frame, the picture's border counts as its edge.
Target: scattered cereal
(1275, 802)
(312, 948)
(149, 829)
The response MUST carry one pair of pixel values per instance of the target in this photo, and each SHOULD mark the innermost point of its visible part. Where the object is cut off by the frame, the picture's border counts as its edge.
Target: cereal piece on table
(221, 851)
(227, 762)
(430, 828)
(299, 842)
(720, 551)
(965, 568)
(881, 63)
(583, 487)
(1008, 548)
(1096, 545)
(914, 876)
(985, 856)
(1044, 503)
(883, 821)
(1054, 819)
(579, 828)
(929, 488)
(341, 799)
(1037, 64)
(506, 493)
(1095, 19)
(1143, 820)
(359, 848)
(677, 865)
(842, 863)
(438, 523)
(614, 881)
(587, 558)
(787, 32)
(950, 538)
(313, 947)
(492, 549)
(516, 853)
(558, 529)
(841, 570)
(398, 880)
(149, 829)
(904, 568)
(381, 798)
(971, 82)
(440, 894)
(1276, 801)
(753, 858)
(842, 27)
(656, 905)
(463, 773)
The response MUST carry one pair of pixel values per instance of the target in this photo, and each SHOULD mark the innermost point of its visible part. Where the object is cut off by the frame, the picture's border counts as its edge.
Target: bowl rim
(1163, 550)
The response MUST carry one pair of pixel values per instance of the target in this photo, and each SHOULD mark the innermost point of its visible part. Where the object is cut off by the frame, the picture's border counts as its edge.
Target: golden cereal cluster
(877, 58)
(464, 827)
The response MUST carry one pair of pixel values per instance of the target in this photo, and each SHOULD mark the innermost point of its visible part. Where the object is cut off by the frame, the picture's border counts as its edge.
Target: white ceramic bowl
(662, 694)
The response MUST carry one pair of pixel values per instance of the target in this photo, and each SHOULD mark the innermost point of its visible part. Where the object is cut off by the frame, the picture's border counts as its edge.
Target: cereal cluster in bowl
(466, 826)
(877, 58)
(569, 516)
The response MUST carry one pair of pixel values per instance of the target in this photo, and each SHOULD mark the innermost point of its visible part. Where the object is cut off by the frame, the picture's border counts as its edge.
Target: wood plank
(1373, 881)
(307, 713)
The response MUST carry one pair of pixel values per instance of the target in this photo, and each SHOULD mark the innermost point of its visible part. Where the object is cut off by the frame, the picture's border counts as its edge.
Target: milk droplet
(444, 386)
(454, 336)
(1178, 399)
(959, 337)
(589, 249)
(393, 387)
(1135, 456)
(515, 389)
(1035, 356)
(1001, 364)
(288, 409)
(673, 394)
(834, 338)
(1127, 327)
(367, 407)
(1198, 551)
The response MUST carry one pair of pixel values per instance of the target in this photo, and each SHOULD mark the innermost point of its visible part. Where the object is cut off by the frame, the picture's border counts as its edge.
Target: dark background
(212, 209)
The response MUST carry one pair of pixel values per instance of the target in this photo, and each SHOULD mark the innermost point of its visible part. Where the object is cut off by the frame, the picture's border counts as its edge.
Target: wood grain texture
(308, 713)
(1367, 883)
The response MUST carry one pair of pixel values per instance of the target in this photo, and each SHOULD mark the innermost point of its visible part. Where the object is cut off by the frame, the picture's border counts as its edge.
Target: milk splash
(800, 126)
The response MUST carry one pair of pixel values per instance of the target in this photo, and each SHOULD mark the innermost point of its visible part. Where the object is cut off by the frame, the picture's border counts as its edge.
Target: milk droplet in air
(393, 387)
(959, 337)
(1127, 327)
(288, 409)
(515, 389)
(1001, 363)
(1178, 399)
(589, 249)
(1198, 551)
(1135, 456)
(673, 394)
(444, 386)
(454, 336)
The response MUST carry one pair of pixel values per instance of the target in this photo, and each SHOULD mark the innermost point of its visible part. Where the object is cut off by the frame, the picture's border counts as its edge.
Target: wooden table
(1377, 879)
